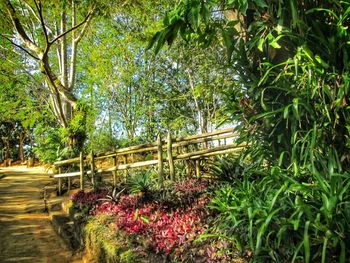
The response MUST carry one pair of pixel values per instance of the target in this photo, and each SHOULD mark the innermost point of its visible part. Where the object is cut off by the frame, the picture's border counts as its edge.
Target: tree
(280, 68)
(134, 93)
(41, 33)
(19, 112)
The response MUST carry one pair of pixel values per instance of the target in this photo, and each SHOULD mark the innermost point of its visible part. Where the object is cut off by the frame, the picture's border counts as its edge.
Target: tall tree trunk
(61, 86)
(22, 137)
(199, 115)
(6, 150)
(67, 109)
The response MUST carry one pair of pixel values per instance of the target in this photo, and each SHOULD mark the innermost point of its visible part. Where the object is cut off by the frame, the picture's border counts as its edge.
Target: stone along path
(26, 234)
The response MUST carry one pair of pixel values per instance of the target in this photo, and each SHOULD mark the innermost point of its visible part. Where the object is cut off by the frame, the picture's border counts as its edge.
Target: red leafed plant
(176, 228)
(191, 186)
(87, 198)
(167, 227)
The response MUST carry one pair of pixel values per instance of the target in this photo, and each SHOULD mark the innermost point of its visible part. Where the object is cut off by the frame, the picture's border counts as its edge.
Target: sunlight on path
(26, 234)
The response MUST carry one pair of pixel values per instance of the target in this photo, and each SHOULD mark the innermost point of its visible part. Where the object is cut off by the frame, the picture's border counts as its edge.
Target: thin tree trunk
(22, 137)
(198, 109)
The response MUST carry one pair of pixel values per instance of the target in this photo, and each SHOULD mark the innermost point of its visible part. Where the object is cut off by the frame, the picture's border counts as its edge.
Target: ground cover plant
(246, 212)
(164, 223)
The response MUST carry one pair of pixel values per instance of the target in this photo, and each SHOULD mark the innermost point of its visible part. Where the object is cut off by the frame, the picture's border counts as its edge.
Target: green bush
(227, 168)
(280, 218)
(141, 182)
(48, 146)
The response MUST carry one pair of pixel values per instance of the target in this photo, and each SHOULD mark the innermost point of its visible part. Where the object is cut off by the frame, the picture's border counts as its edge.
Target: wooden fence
(191, 149)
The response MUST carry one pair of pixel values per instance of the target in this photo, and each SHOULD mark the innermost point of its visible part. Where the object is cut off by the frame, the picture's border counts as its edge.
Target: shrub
(87, 198)
(48, 146)
(280, 218)
(140, 183)
(166, 227)
(227, 168)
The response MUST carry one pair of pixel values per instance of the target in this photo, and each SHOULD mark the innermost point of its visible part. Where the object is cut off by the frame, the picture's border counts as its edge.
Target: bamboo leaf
(306, 242)
(324, 250)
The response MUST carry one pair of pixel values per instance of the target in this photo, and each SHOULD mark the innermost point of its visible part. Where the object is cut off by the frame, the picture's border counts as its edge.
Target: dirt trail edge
(26, 234)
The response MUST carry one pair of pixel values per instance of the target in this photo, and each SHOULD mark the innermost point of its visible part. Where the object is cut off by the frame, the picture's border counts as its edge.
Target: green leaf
(193, 16)
(324, 249)
(243, 6)
(342, 256)
(275, 44)
(308, 53)
(144, 219)
(166, 19)
(286, 112)
(260, 3)
(296, 108)
(260, 44)
(306, 242)
(154, 40)
(262, 229)
(205, 14)
(227, 35)
(321, 61)
(136, 214)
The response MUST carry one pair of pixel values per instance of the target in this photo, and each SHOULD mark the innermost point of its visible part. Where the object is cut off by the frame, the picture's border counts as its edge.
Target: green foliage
(141, 182)
(227, 168)
(75, 134)
(279, 218)
(293, 92)
(49, 146)
(292, 61)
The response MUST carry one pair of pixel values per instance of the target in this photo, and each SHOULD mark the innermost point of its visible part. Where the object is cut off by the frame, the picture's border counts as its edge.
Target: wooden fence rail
(189, 148)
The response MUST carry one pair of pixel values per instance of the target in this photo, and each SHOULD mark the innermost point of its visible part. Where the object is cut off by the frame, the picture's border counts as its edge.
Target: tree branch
(42, 22)
(23, 35)
(35, 15)
(21, 48)
(82, 32)
(71, 29)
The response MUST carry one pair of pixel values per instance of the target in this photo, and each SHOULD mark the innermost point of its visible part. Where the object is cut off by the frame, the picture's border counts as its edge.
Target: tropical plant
(292, 61)
(293, 92)
(113, 197)
(280, 218)
(140, 182)
(226, 168)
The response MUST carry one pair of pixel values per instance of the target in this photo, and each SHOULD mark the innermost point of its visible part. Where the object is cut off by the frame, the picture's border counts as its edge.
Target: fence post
(59, 182)
(69, 183)
(115, 171)
(170, 158)
(160, 159)
(197, 162)
(93, 175)
(125, 157)
(187, 163)
(81, 171)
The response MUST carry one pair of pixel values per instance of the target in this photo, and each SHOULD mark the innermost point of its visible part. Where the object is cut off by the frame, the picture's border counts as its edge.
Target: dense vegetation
(278, 70)
(118, 93)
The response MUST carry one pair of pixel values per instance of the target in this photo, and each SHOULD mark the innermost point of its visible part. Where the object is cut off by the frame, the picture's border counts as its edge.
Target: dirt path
(26, 234)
